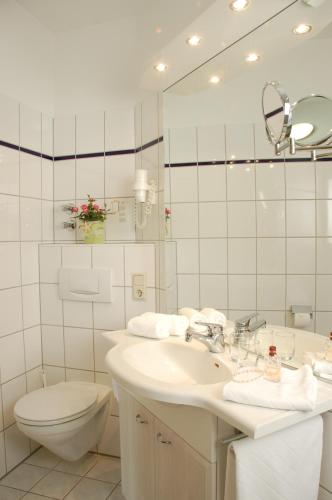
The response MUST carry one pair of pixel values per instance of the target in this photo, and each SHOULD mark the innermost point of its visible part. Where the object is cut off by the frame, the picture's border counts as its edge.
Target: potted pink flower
(92, 220)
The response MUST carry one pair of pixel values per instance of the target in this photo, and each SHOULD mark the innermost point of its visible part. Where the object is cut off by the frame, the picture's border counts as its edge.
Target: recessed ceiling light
(252, 57)
(302, 29)
(161, 67)
(215, 79)
(194, 40)
(238, 5)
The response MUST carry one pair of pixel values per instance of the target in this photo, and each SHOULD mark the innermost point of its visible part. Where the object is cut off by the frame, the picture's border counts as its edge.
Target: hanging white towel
(297, 390)
(151, 325)
(282, 466)
(214, 316)
(194, 317)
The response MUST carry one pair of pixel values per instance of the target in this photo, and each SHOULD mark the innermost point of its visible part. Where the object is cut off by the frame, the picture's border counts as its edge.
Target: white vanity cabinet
(157, 464)
(326, 477)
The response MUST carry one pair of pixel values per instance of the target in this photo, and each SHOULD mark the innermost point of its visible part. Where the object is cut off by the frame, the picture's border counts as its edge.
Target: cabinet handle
(140, 420)
(161, 440)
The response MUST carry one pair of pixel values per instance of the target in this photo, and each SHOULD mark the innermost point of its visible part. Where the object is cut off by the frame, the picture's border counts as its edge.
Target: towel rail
(233, 437)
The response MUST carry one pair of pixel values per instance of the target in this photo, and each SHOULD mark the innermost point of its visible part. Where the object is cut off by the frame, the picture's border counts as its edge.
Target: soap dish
(247, 374)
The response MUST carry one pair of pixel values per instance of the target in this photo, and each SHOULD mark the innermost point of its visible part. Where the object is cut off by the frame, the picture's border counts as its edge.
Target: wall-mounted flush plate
(139, 286)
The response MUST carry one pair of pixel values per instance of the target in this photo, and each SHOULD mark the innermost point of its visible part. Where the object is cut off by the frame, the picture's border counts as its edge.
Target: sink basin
(174, 363)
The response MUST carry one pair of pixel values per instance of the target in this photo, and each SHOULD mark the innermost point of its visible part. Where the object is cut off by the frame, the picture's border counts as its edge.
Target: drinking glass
(263, 339)
(285, 344)
(239, 347)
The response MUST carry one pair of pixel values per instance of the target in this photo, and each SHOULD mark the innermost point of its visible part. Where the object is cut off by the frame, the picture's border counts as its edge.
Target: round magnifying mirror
(312, 121)
(277, 113)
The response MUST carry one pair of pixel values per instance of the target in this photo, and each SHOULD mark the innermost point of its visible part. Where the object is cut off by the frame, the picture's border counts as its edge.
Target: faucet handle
(213, 328)
(245, 320)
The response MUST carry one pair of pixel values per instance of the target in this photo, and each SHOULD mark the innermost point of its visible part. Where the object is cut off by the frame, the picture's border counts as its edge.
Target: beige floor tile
(56, 484)
(117, 494)
(32, 496)
(106, 469)
(89, 489)
(80, 467)
(10, 493)
(43, 458)
(24, 477)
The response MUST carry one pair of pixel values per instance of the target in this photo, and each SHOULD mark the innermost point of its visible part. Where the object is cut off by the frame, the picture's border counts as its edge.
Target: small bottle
(272, 369)
(328, 350)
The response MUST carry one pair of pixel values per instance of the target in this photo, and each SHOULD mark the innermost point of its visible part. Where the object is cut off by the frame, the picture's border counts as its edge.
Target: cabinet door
(137, 449)
(181, 473)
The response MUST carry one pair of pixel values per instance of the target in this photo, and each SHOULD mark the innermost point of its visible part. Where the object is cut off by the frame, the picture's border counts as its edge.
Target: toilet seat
(56, 404)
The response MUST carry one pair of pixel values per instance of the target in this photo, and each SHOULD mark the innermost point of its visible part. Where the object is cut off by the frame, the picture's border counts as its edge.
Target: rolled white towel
(214, 316)
(179, 325)
(151, 325)
(193, 316)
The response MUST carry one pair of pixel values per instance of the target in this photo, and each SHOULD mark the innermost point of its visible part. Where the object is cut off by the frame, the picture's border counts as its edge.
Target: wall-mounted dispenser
(145, 196)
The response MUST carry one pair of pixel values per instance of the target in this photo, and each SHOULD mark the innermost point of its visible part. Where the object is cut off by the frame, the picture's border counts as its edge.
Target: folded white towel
(152, 325)
(282, 466)
(214, 316)
(297, 390)
(179, 326)
(193, 317)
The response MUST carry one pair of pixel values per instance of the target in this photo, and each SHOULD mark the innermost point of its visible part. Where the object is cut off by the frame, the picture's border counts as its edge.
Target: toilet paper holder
(296, 309)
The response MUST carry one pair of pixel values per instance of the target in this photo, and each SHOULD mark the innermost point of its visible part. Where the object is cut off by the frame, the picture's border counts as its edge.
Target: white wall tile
(212, 220)
(211, 143)
(47, 179)
(137, 307)
(77, 313)
(33, 349)
(324, 218)
(51, 305)
(239, 142)
(212, 254)
(271, 218)
(11, 356)
(79, 375)
(90, 174)
(31, 218)
(53, 345)
(11, 392)
(270, 181)
(241, 182)
(140, 259)
(271, 256)
(76, 256)
(323, 323)
(119, 129)
(54, 374)
(17, 447)
(47, 221)
(324, 180)
(273, 317)
(81, 358)
(31, 305)
(11, 311)
(188, 290)
(64, 180)
(9, 171)
(300, 290)
(301, 255)
(212, 183)
(9, 124)
(101, 347)
(213, 291)
(34, 379)
(64, 135)
(111, 316)
(29, 261)
(263, 148)
(90, 132)
(242, 292)
(242, 255)
(184, 220)
(324, 255)
(300, 218)
(300, 181)
(183, 147)
(10, 265)
(150, 118)
(50, 263)
(30, 175)
(183, 184)
(241, 219)
(119, 175)
(3, 469)
(110, 256)
(61, 216)
(324, 293)
(187, 257)
(121, 226)
(9, 214)
(271, 292)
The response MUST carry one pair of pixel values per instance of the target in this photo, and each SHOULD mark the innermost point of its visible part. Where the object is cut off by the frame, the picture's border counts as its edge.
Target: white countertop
(252, 420)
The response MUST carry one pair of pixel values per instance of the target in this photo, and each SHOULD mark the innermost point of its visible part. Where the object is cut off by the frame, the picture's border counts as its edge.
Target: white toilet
(67, 418)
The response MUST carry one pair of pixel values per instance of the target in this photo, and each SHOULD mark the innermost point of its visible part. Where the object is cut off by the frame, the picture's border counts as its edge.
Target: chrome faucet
(245, 325)
(214, 339)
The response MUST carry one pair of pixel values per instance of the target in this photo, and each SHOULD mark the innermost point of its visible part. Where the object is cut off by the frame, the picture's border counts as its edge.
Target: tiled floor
(44, 476)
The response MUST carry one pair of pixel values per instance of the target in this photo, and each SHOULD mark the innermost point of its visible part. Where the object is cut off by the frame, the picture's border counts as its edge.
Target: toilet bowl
(67, 418)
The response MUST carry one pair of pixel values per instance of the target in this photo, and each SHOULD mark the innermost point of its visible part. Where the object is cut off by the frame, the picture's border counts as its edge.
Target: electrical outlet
(139, 286)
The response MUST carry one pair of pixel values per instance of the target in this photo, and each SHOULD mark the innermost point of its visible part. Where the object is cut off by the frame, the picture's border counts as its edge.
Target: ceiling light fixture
(252, 57)
(161, 67)
(194, 40)
(239, 5)
(302, 29)
(215, 79)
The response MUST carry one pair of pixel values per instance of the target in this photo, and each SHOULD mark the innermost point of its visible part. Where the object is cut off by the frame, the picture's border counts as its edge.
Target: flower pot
(93, 231)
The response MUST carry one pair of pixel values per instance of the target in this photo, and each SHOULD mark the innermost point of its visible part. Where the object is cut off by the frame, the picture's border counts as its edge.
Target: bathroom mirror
(312, 121)
(277, 113)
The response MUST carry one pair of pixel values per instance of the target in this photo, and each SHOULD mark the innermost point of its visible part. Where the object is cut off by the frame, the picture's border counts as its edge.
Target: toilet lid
(57, 403)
